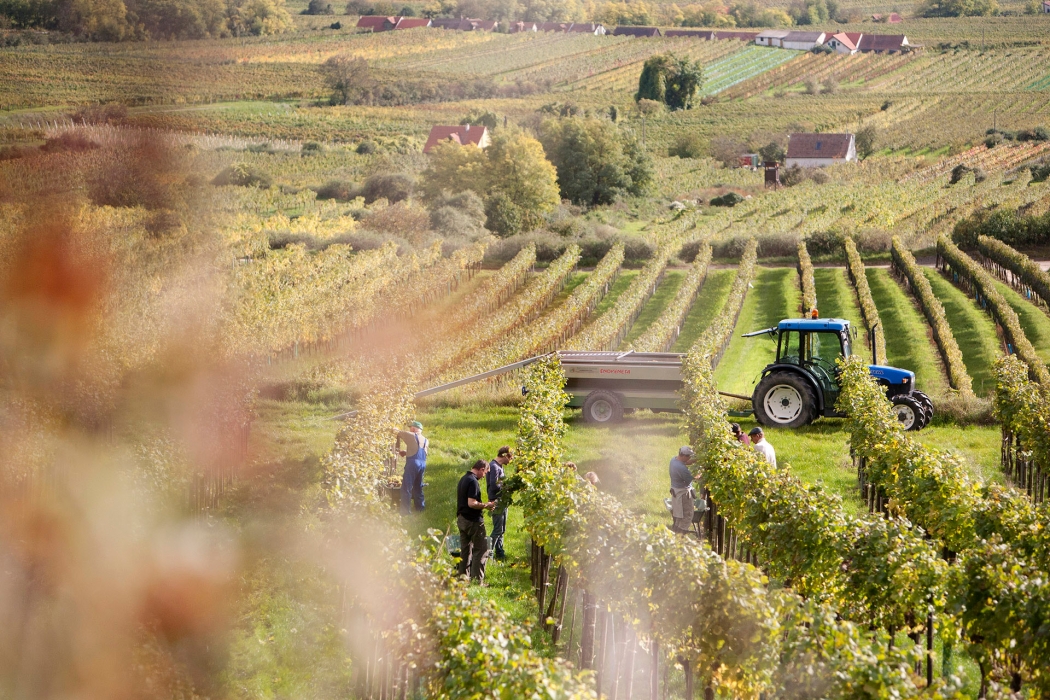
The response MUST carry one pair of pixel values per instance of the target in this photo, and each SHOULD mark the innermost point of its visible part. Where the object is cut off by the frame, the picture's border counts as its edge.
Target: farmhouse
(692, 33)
(553, 26)
(844, 42)
(464, 135)
(816, 150)
(465, 25)
(802, 41)
(883, 43)
(739, 36)
(595, 29)
(636, 31)
(411, 22)
(516, 27)
(1046, 6)
(377, 24)
(771, 37)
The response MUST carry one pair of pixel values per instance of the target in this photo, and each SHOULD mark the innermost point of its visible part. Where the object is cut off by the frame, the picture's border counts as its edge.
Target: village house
(844, 42)
(692, 33)
(1046, 6)
(411, 23)
(465, 25)
(585, 28)
(464, 135)
(771, 37)
(817, 150)
(802, 41)
(637, 31)
(517, 27)
(377, 24)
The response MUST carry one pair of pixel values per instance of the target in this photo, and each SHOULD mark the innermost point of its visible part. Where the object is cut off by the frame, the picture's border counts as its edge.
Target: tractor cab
(802, 383)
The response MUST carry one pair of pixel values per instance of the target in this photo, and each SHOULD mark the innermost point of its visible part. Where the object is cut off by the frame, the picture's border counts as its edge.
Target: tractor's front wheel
(784, 400)
(910, 412)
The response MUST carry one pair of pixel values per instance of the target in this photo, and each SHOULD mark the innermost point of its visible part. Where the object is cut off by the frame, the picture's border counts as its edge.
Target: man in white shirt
(761, 446)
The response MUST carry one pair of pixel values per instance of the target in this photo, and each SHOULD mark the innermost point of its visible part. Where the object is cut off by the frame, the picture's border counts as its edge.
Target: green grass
(973, 329)
(775, 296)
(709, 302)
(837, 299)
(1034, 321)
(618, 287)
(652, 309)
(908, 341)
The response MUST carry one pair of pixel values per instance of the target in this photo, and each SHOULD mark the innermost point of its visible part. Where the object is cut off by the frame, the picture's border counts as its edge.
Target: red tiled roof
(819, 145)
(847, 39)
(459, 134)
(636, 31)
(376, 23)
(553, 27)
(881, 42)
(584, 28)
(741, 36)
(697, 33)
(412, 22)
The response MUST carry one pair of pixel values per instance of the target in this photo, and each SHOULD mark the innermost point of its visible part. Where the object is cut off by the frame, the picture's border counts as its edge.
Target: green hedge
(805, 273)
(1026, 269)
(962, 264)
(867, 304)
(905, 265)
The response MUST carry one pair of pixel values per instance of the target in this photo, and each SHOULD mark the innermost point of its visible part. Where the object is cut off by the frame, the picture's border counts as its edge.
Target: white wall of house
(840, 47)
(801, 45)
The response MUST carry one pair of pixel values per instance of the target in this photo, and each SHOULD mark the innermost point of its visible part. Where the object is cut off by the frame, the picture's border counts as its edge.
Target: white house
(802, 41)
(771, 37)
(1046, 6)
(816, 150)
(844, 42)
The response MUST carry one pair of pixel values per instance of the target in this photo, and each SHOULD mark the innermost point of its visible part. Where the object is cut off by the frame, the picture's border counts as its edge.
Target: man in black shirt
(469, 507)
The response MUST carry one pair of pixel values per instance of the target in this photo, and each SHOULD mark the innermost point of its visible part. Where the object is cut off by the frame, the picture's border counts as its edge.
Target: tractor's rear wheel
(927, 404)
(784, 400)
(910, 412)
(602, 407)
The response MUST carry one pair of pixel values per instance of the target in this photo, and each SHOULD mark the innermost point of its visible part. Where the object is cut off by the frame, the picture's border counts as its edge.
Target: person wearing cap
(493, 486)
(474, 548)
(762, 446)
(415, 454)
(682, 494)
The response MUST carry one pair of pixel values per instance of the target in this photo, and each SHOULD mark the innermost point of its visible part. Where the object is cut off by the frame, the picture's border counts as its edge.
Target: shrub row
(716, 336)
(718, 616)
(870, 569)
(1022, 408)
(1026, 269)
(997, 534)
(805, 273)
(867, 305)
(962, 264)
(664, 331)
(439, 279)
(904, 264)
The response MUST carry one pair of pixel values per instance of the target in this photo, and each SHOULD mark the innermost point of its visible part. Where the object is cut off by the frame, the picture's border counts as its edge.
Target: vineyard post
(654, 671)
(587, 631)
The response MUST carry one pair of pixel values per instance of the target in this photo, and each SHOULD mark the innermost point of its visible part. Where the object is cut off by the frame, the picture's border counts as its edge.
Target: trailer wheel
(910, 412)
(784, 400)
(602, 407)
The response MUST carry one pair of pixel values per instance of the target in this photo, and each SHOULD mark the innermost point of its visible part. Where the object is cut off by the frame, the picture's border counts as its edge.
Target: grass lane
(708, 303)
(974, 331)
(618, 287)
(1034, 322)
(651, 310)
(908, 340)
(837, 299)
(774, 297)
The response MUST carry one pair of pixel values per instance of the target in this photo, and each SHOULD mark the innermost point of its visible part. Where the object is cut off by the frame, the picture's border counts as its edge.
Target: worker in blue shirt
(682, 494)
(415, 454)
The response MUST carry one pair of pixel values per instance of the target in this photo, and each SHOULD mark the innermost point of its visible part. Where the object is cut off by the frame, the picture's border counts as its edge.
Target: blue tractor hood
(893, 375)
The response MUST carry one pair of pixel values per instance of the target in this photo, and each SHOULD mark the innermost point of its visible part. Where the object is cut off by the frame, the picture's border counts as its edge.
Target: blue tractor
(802, 384)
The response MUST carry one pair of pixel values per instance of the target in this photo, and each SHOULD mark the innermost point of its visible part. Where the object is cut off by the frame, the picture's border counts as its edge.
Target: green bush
(243, 176)
(338, 190)
(729, 199)
(687, 146)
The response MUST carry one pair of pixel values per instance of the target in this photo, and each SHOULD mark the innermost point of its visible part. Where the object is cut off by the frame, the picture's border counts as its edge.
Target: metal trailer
(605, 384)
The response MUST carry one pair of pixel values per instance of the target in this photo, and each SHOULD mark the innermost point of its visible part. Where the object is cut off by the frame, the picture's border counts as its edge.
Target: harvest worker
(681, 491)
(493, 486)
(762, 446)
(469, 507)
(415, 454)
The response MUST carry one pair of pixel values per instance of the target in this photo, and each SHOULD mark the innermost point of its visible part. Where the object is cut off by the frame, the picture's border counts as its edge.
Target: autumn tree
(597, 162)
(669, 79)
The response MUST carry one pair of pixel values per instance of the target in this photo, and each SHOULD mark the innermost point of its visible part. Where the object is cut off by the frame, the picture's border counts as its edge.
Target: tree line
(116, 20)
